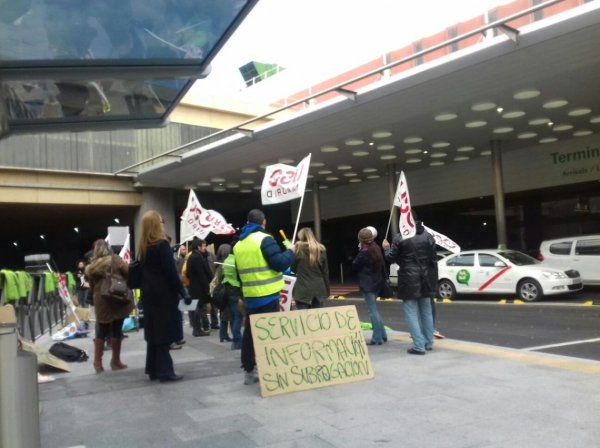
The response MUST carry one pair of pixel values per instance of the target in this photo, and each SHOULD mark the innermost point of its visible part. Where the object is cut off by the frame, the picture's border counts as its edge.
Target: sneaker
(414, 351)
(438, 335)
(250, 377)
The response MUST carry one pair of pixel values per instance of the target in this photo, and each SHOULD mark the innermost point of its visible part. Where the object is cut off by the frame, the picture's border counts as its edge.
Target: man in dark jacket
(417, 280)
(260, 263)
(200, 275)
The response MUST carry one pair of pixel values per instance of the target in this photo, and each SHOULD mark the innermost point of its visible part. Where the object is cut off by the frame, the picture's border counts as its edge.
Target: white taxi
(502, 271)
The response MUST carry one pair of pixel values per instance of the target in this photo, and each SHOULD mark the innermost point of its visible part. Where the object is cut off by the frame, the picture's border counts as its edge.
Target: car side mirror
(499, 264)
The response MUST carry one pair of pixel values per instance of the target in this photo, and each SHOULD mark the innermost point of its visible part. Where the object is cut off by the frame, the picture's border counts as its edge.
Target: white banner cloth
(283, 183)
(197, 221)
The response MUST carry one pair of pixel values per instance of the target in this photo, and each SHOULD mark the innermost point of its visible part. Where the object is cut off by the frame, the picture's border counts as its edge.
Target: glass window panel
(588, 247)
(462, 260)
(486, 260)
(562, 248)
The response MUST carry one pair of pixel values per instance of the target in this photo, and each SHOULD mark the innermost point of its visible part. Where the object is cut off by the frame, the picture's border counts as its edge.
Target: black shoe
(152, 377)
(197, 333)
(227, 339)
(428, 348)
(170, 378)
(375, 343)
(214, 327)
(414, 351)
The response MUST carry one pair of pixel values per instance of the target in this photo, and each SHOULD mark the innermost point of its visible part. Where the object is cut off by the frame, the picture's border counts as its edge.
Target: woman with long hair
(110, 314)
(312, 273)
(160, 293)
(369, 265)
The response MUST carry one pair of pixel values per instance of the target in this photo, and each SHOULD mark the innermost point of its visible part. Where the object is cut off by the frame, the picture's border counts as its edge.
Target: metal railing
(341, 89)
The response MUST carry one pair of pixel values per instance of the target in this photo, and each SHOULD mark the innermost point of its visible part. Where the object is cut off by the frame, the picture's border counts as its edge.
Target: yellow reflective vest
(258, 279)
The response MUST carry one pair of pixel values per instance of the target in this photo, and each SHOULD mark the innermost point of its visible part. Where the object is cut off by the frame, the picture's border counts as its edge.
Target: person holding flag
(260, 263)
(417, 282)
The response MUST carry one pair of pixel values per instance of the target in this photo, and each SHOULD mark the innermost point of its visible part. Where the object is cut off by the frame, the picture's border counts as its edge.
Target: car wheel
(446, 290)
(529, 290)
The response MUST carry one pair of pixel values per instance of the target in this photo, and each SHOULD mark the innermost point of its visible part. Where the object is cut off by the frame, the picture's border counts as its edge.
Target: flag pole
(389, 222)
(298, 218)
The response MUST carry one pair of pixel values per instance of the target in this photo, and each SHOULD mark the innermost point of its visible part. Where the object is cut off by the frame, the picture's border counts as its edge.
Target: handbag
(386, 291)
(114, 285)
(134, 275)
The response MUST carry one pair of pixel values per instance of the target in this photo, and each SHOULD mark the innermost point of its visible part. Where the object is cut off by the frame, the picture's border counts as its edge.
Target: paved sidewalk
(458, 395)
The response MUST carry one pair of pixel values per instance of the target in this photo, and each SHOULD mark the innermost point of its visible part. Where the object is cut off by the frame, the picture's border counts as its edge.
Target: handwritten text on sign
(307, 349)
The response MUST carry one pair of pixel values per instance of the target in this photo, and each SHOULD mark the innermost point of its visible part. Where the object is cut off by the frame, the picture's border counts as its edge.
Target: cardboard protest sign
(44, 357)
(306, 349)
(286, 298)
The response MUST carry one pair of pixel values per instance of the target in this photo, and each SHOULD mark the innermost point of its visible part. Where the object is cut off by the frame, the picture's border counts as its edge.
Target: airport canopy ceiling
(543, 88)
(106, 64)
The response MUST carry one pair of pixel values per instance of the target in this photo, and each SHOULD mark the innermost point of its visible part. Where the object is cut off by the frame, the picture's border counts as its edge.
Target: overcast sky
(315, 39)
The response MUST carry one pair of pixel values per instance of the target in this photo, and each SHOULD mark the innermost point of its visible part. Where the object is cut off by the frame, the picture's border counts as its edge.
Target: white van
(581, 253)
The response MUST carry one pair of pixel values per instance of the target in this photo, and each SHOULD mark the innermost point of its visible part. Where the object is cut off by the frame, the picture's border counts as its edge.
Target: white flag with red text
(197, 221)
(407, 225)
(125, 253)
(443, 241)
(284, 183)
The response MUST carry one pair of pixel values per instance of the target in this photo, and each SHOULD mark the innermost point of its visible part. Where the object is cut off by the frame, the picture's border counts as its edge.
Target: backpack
(68, 353)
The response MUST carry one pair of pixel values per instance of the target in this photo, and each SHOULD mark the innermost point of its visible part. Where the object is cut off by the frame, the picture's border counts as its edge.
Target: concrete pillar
(495, 146)
(160, 200)
(316, 194)
(392, 185)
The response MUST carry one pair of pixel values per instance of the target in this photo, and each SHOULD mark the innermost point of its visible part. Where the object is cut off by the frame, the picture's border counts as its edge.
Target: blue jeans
(236, 319)
(379, 333)
(417, 314)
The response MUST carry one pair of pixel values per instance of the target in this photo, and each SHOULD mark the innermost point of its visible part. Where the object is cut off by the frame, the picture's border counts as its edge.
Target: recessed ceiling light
(286, 161)
(373, 176)
(461, 158)
(262, 166)
(524, 135)
(245, 190)
(329, 148)
(354, 142)
(483, 106)
(580, 111)
(217, 179)
(413, 160)
(503, 130)
(526, 94)
(385, 147)
(487, 152)
(219, 189)
(562, 127)
(323, 187)
(582, 133)
(499, 109)
(595, 119)
(381, 134)
(440, 144)
(249, 171)
(539, 121)
(554, 104)
(388, 157)
(465, 149)
(350, 174)
(325, 172)
(437, 163)
(445, 116)
(513, 114)
(332, 178)
(438, 155)
(310, 176)
(344, 167)
(413, 139)
(475, 124)
(257, 187)
(413, 151)
(247, 181)
(360, 153)
(203, 184)
(369, 170)
(232, 185)
(548, 140)
(317, 164)
(355, 180)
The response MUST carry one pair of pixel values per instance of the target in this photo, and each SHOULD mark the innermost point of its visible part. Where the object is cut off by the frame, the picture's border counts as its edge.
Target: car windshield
(518, 258)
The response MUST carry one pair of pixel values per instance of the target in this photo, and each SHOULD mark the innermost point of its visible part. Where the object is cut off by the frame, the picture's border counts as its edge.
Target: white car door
(493, 275)
(460, 269)
(586, 258)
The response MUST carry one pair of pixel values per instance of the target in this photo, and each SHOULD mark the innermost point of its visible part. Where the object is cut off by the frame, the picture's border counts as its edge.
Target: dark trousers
(159, 363)
(111, 330)
(248, 355)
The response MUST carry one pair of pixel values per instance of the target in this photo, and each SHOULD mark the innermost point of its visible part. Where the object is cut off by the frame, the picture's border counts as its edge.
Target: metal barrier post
(9, 420)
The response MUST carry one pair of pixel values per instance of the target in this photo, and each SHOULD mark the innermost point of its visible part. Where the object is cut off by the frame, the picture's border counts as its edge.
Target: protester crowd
(243, 278)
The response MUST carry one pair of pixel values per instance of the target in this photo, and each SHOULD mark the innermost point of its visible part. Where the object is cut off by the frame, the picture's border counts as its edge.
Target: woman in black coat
(200, 275)
(160, 292)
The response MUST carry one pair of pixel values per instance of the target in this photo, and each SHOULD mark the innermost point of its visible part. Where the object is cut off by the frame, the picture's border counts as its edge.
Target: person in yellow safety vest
(260, 264)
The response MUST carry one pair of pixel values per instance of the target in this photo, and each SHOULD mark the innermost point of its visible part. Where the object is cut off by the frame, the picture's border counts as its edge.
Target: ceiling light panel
(503, 130)
(381, 134)
(360, 153)
(526, 94)
(385, 147)
(413, 139)
(344, 167)
(354, 142)
(555, 104)
(580, 111)
(249, 171)
(539, 121)
(440, 144)
(513, 114)
(562, 127)
(413, 151)
(465, 149)
(475, 124)
(548, 140)
(446, 116)
(483, 106)
(582, 133)
(329, 148)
